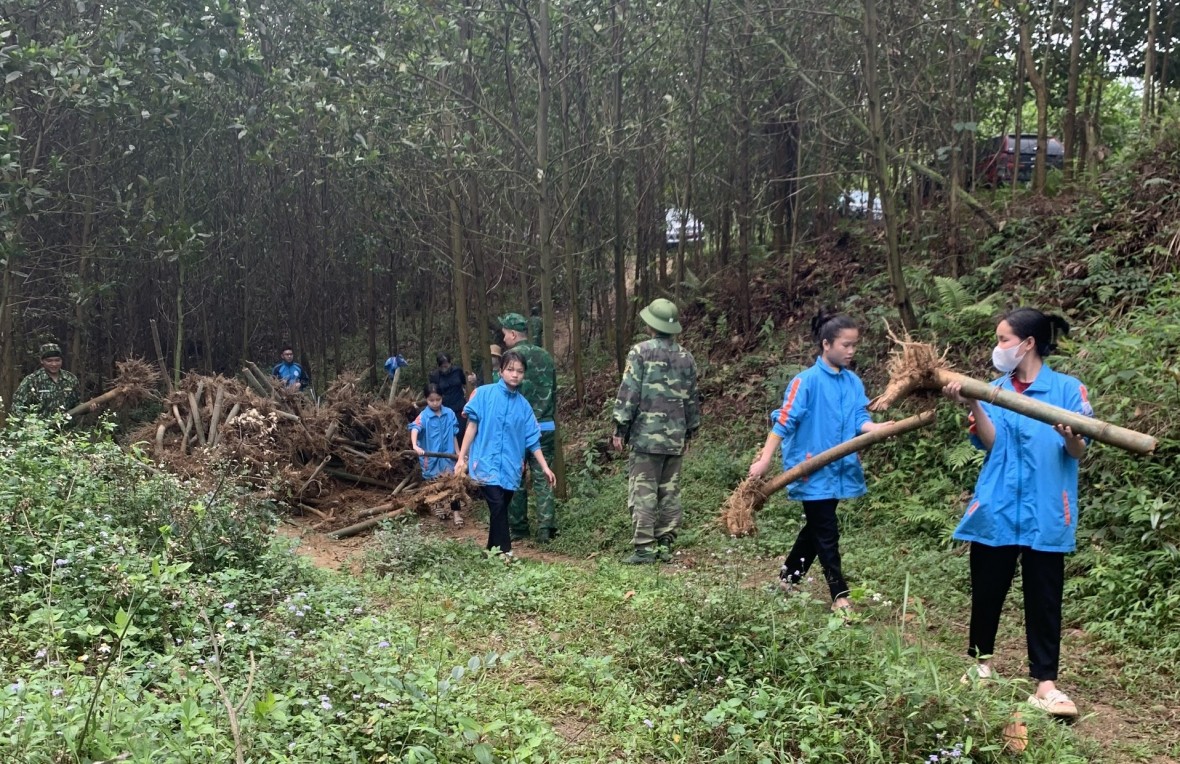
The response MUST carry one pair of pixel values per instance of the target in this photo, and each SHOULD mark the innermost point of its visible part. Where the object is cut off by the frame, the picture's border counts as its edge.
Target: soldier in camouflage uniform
(540, 390)
(49, 389)
(657, 411)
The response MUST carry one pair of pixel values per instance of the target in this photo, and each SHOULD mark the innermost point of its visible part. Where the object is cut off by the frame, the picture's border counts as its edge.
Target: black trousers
(820, 537)
(1043, 578)
(498, 500)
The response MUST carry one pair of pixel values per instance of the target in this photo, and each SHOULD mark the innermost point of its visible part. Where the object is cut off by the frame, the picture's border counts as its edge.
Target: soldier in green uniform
(47, 390)
(657, 411)
(540, 390)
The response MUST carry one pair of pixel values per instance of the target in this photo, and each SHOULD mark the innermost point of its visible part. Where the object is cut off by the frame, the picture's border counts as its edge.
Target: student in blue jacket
(434, 430)
(292, 374)
(501, 430)
(1025, 505)
(822, 407)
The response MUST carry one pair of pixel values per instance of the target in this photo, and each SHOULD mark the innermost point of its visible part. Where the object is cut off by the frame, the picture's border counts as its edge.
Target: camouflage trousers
(653, 496)
(518, 510)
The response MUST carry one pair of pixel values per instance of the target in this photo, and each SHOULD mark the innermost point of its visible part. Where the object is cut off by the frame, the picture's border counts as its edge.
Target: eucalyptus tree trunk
(618, 10)
(901, 293)
(544, 202)
(570, 249)
(1069, 130)
(1148, 105)
(690, 164)
(1041, 93)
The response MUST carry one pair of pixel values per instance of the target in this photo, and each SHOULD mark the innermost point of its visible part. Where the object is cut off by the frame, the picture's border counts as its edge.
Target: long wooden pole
(1104, 432)
(859, 443)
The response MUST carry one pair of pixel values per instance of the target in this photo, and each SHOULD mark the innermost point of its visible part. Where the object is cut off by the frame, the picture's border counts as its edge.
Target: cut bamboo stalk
(365, 525)
(393, 385)
(916, 366)
(738, 513)
(195, 415)
(262, 378)
(215, 417)
(96, 401)
(160, 354)
(253, 383)
(160, 440)
(233, 412)
(432, 454)
(1104, 432)
(314, 511)
(342, 475)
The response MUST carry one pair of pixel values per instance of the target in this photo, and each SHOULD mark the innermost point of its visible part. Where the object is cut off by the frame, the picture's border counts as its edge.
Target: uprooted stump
(737, 515)
(918, 366)
(448, 492)
(135, 382)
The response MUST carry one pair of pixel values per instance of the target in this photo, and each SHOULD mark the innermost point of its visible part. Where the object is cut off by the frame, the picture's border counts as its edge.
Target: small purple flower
(325, 703)
(648, 723)
(383, 644)
(18, 569)
(57, 692)
(60, 563)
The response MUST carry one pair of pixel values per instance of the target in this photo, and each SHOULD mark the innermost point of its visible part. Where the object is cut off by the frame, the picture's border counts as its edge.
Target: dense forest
(360, 178)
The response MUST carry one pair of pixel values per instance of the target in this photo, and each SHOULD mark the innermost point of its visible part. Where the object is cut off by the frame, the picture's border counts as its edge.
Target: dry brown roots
(737, 516)
(912, 366)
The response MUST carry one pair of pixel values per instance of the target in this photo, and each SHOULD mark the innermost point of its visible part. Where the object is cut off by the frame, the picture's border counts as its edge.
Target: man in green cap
(657, 411)
(47, 390)
(540, 389)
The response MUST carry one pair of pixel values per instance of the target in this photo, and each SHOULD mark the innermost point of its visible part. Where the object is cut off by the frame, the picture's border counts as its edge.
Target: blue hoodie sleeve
(532, 434)
(795, 403)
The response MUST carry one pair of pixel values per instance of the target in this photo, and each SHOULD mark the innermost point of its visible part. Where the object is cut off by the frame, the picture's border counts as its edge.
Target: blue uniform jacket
(821, 409)
(436, 432)
(1027, 492)
(507, 432)
(291, 373)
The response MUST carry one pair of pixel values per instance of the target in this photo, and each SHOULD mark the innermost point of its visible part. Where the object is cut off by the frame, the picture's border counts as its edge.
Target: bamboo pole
(195, 415)
(215, 417)
(160, 440)
(737, 516)
(859, 443)
(96, 401)
(393, 385)
(364, 525)
(262, 378)
(1104, 432)
(253, 383)
(160, 354)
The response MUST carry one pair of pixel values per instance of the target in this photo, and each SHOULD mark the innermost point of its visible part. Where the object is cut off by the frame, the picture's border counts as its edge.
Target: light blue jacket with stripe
(822, 408)
(1027, 491)
(507, 431)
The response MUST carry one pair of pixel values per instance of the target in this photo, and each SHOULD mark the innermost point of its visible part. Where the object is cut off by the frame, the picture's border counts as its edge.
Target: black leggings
(819, 537)
(1043, 578)
(498, 500)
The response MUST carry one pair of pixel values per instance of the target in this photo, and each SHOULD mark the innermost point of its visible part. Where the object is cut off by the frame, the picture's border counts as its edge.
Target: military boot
(642, 556)
(664, 548)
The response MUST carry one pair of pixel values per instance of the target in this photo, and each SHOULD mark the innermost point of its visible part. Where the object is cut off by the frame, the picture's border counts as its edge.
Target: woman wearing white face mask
(1025, 505)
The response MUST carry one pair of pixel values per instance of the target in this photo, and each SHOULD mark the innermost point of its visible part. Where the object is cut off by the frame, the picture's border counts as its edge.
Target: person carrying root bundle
(434, 430)
(501, 430)
(1025, 506)
(657, 411)
(48, 390)
(823, 406)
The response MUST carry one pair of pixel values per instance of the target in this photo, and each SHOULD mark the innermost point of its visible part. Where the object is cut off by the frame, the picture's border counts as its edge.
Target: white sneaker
(1056, 703)
(980, 672)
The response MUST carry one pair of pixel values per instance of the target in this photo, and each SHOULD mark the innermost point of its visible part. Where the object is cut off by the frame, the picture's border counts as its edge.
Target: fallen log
(135, 382)
(738, 513)
(263, 379)
(365, 525)
(342, 475)
(918, 367)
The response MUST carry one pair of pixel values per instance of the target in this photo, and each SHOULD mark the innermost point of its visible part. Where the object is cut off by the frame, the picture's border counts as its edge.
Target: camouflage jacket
(540, 381)
(657, 408)
(39, 394)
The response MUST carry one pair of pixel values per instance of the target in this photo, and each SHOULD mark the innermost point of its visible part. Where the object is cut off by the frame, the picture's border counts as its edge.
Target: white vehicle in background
(674, 220)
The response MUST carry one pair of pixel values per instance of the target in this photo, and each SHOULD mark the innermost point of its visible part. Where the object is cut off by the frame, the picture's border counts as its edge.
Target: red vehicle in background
(998, 159)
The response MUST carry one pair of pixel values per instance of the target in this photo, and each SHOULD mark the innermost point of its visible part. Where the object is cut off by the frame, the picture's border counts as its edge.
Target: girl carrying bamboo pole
(1025, 505)
(435, 430)
(823, 406)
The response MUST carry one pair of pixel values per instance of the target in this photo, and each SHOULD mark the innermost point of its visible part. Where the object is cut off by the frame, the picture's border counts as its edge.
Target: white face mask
(1007, 359)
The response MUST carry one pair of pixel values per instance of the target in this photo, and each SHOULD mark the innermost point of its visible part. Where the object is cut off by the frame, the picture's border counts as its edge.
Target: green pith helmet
(515, 322)
(50, 350)
(662, 316)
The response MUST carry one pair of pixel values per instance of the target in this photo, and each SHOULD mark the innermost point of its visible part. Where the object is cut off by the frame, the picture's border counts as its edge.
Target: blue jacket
(1027, 492)
(291, 373)
(822, 408)
(436, 432)
(507, 432)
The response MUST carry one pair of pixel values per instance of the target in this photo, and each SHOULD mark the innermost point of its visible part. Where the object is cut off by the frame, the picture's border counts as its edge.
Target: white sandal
(1056, 703)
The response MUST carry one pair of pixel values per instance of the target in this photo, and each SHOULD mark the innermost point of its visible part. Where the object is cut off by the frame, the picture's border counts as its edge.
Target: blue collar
(1040, 384)
(820, 362)
(504, 386)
